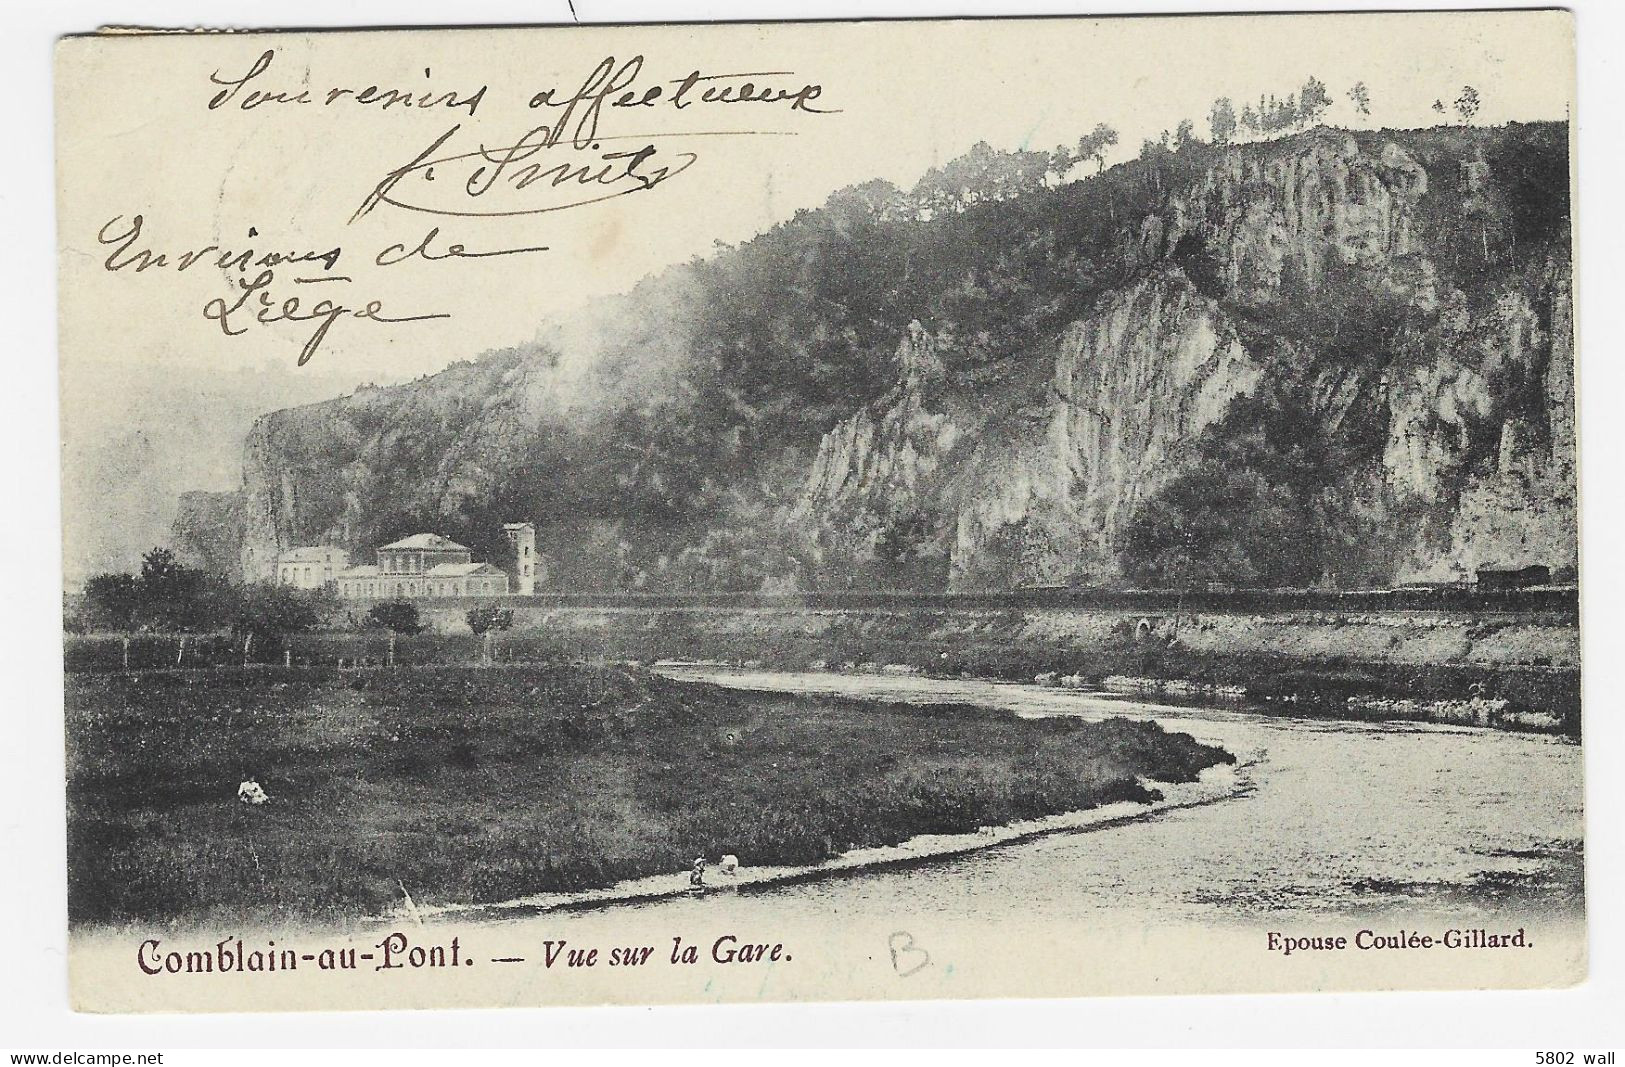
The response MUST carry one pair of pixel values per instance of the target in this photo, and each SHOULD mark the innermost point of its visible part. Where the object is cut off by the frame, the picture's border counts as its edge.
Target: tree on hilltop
(877, 200)
(1221, 121)
(1096, 143)
(982, 174)
(1360, 97)
(1313, 101)
(1467, 104)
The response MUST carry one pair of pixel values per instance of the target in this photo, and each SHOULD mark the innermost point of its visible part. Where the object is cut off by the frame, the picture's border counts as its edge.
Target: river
(1335, 819)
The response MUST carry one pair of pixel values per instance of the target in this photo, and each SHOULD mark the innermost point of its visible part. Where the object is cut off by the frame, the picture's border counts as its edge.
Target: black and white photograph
(928, 509)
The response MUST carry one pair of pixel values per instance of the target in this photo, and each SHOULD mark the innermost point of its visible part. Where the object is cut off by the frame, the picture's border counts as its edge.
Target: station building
(422, 565)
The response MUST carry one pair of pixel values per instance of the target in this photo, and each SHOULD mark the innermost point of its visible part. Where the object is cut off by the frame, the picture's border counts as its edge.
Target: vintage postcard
(914, 509)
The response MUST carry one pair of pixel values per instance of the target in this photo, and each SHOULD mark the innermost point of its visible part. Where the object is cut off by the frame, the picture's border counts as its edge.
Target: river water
(1334, 820)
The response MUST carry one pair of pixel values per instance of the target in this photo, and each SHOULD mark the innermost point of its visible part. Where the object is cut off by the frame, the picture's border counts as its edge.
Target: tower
(522, 540)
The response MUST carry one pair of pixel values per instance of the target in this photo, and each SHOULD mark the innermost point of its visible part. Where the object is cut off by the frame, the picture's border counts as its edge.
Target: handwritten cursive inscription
(428, 250)
(569, 159)
(252, 300)
(236, 93)
(256, 303)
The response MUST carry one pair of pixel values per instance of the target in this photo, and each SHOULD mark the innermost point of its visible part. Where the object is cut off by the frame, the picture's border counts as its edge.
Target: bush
(396, 615)
(269, 613)
(489, 617)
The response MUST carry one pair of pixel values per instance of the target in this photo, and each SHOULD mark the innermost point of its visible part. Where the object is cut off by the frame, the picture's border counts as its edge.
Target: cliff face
(876, 468)
(207, 532)
(1332, 358)
(1153, 367)
(1323, 204)
(365, 468)
(1519, 510)
(1470, 394)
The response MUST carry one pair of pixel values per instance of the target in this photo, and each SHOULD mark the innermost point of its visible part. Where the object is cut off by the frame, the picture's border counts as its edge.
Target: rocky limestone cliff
(1520, 510)
(873, 468)
(1355, 349)
(1154, 366)
(1271, 216)
(1040, 491)
(1046, 487)
(362, 469)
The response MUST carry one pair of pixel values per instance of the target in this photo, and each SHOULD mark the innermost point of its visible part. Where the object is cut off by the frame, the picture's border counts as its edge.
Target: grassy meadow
(469, 784)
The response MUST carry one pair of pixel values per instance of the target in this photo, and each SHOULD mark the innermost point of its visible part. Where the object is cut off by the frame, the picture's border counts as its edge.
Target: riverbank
(1216, 782)
(1514, 670)
(480, 785)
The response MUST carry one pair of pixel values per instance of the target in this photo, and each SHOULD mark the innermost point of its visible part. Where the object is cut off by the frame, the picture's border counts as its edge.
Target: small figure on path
(696, 877)
(729, 865)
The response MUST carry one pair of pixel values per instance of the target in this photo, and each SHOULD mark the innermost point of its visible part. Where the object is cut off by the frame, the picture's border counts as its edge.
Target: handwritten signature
(514, 169)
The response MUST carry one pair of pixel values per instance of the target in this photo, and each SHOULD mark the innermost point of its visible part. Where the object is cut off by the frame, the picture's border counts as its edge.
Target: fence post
(126, 651)
(180, 653)
(392, 648)
(248, 642)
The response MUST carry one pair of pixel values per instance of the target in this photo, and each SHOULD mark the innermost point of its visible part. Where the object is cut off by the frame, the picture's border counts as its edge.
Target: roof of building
(429, 541)
(311, 554)
(517, 526)
(366, 570)
(460, 570)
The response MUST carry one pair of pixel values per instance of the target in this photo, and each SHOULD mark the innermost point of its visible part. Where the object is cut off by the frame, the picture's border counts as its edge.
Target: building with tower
(526, 565)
